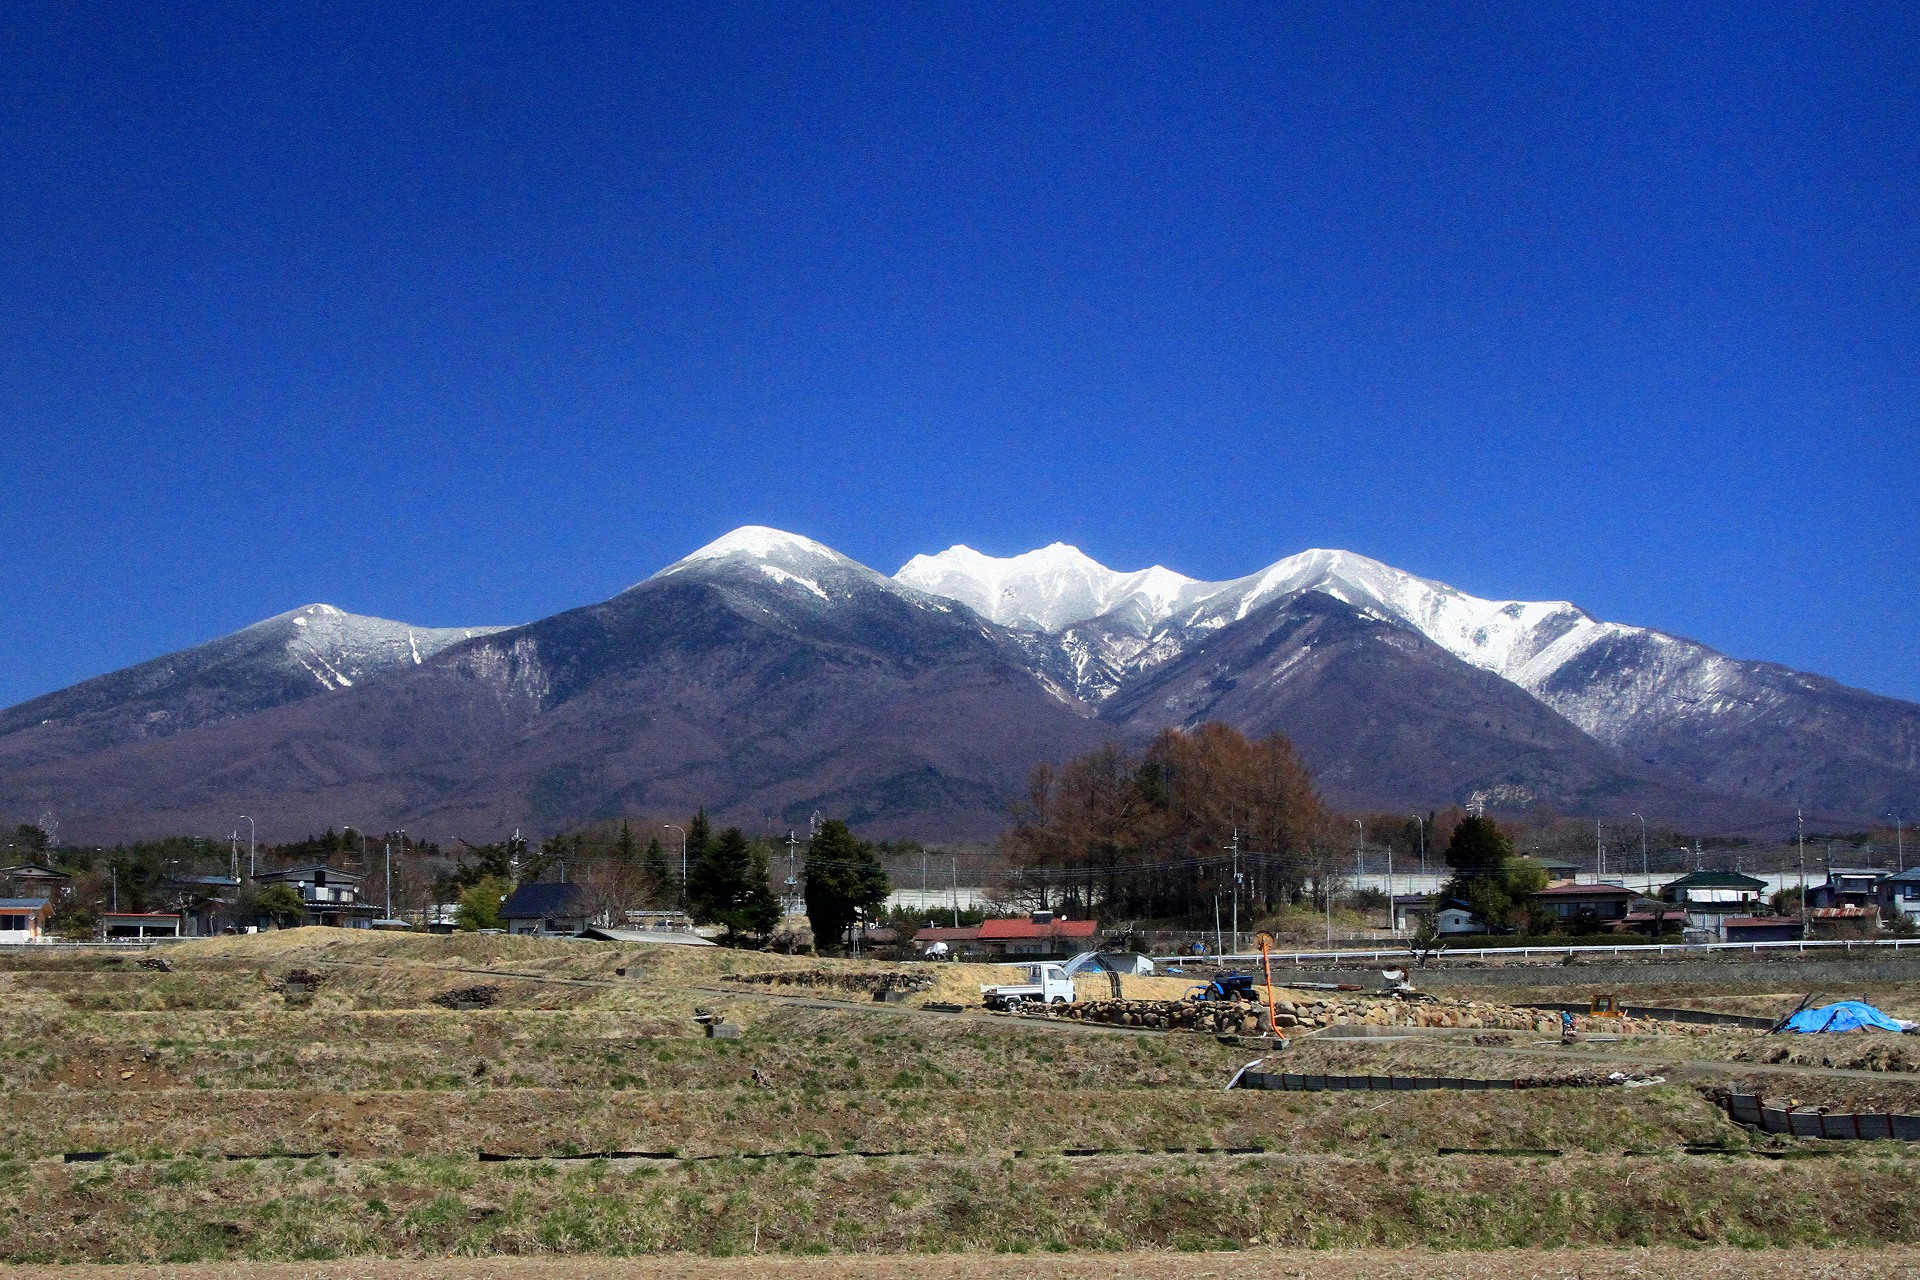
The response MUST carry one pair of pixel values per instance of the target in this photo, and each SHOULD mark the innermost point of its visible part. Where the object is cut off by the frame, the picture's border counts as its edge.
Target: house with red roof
(1039, 935)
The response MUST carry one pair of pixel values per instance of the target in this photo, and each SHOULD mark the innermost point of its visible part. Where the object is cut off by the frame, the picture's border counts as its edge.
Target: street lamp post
(1421, 822)
(252, 833)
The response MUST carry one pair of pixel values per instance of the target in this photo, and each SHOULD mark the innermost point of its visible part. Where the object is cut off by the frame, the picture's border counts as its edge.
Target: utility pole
(233, 852)
(389, 846)
(1327, 889)
(1899, 843)
(114, 873)
(1800, 820)
(1391, 926)
(1235, 849)
(953, 863)
(1599, 854)
(793, 843)
(1646, 881)
(252, 832)
(1219, 945)
(1421, 822)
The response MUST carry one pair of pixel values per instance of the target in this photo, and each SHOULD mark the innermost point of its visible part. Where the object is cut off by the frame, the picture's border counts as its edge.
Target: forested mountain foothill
(1165, 836)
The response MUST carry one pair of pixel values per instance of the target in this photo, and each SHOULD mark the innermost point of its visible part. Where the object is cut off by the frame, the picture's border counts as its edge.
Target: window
(13, 924)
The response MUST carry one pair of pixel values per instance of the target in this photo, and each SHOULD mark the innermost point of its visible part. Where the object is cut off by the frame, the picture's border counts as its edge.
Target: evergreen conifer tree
(661, 881)
(843, 878)
(731, 888)
(706, 885)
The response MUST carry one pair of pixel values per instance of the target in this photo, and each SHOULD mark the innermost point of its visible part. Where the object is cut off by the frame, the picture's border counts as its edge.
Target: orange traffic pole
(1266, 962)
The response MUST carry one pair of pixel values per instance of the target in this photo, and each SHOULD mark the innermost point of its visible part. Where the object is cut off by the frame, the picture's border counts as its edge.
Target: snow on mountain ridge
(1050, 588)
(1111, 623)
(336, 647)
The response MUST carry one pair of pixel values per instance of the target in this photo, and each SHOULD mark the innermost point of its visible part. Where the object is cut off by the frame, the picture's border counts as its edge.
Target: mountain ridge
(766, 671)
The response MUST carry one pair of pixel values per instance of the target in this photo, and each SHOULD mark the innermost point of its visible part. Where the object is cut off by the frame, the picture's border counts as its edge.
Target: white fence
(1641, 950)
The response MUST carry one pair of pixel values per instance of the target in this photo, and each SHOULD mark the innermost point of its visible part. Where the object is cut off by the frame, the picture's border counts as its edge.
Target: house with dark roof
(1040, 935)
(1847, 888)
(1711, 898)
(550, 907)
(1901, 892)
(1601, 904)
(331, 896)
(30, 881)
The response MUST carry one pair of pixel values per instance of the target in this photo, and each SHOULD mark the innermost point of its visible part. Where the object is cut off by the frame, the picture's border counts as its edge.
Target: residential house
(1847, 888)
(1406, 909)
(30, 881)
(331, 896)
(1710, 898)
(24, 919)
(206, 903)
(1455, 917)
(549, 907)
(1039, 936)
(939, 941)
(1598, 905)
(1901, 893)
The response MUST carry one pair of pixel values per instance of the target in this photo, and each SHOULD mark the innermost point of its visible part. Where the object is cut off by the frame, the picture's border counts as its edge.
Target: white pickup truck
(1039, 983)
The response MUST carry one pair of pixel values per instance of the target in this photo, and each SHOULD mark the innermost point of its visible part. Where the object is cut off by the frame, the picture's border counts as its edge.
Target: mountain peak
(1048, 588)
(758, 542)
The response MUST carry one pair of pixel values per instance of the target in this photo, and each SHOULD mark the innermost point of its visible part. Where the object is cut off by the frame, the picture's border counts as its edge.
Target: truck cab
(1043, 983)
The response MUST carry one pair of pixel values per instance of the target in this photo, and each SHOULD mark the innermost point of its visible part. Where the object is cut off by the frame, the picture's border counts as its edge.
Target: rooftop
(548, 898)
(1010, 930)
(1585, 891)
(1716, 880)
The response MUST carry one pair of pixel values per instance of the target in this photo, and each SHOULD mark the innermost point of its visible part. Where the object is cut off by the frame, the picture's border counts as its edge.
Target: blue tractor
(1229, 986)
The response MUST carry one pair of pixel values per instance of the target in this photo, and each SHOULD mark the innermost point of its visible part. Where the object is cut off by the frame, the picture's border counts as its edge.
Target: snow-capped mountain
(305, 652)
(1112, 624)
(767, 675)
(1674, 703)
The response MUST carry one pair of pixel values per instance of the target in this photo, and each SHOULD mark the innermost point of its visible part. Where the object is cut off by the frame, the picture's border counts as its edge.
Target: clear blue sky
(468, 314)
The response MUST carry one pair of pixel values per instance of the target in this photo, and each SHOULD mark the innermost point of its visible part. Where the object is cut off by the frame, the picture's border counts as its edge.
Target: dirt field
(1255, 1264)
(325, 1094)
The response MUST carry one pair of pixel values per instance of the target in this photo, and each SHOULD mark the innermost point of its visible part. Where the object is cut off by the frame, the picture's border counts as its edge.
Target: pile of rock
(872, 983)
(477, 997)
(1300, 1012)
(1222, 1017)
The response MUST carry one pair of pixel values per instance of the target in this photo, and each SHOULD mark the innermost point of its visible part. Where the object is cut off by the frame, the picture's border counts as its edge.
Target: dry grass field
(1252, 1264)
(223, 1116)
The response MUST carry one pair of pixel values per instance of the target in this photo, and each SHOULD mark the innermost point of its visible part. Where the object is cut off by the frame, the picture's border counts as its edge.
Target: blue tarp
(1847, 1015)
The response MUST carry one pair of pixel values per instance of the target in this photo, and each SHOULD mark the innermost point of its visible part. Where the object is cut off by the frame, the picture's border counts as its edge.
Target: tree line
(1153, 834)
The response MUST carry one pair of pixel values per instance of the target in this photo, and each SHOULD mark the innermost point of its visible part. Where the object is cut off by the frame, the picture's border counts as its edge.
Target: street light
(668, 826)
(1422, 823)
(252, 832)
